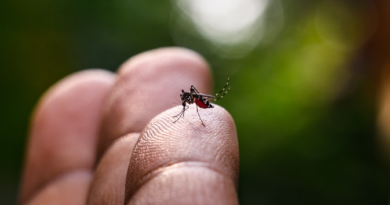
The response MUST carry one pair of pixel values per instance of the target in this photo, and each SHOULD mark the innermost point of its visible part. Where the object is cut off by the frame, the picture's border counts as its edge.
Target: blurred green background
(301, 98)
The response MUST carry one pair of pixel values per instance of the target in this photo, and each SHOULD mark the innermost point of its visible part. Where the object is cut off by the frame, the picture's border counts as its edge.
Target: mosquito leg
(199, 116)
(178, 117)
(193, 89)
(227, 82)
(222, 95)
(181, 113)
(185, 109)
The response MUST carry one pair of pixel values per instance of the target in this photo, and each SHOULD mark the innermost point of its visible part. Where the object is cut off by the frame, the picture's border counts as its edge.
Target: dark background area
(304, 86)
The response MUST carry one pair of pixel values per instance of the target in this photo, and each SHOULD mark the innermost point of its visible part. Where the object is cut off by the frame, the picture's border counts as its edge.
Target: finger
(64, 129)
(70, 188)
(185, 162)
(148, 84)
(107, 186)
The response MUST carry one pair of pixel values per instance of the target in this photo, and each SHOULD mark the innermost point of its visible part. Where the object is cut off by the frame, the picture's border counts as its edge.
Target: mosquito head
(187, 97)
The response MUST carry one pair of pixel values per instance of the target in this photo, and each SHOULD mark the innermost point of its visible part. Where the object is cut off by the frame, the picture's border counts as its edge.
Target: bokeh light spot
(232, 27)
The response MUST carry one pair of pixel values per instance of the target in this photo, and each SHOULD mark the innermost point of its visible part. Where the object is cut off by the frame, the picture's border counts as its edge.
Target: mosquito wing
(205, 95)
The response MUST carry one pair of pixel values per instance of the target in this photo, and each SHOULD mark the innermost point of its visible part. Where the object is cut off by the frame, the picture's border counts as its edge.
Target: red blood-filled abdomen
(200, 103)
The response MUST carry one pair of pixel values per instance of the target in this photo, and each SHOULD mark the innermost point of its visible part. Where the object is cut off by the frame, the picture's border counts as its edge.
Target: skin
(103, 138)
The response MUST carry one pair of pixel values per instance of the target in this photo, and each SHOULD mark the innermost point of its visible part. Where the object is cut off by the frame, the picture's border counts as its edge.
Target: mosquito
(200, 99)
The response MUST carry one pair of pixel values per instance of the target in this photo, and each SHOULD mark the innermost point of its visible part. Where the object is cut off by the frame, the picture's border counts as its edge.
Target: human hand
(89, 126)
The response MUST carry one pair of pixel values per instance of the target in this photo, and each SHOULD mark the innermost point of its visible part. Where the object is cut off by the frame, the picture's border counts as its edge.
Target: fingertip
(164, 145)
(83, 78)
(166, 55)
(70, 188)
